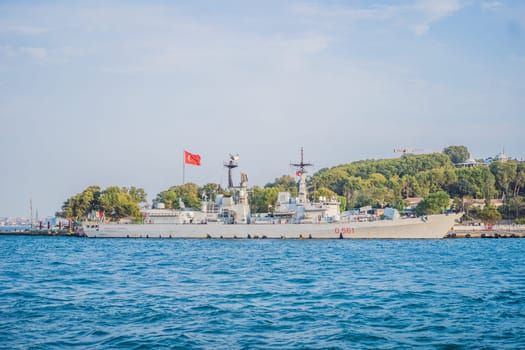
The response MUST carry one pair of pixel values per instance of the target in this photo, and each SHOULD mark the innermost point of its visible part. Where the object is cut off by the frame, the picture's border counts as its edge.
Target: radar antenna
(302, 165)
(231, 164)
(303, 193)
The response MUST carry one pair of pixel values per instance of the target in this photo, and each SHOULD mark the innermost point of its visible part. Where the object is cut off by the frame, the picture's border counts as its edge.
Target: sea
(14, 228)
(77, 293)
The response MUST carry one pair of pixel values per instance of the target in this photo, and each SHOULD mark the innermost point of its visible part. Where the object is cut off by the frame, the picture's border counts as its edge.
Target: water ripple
(60, 293)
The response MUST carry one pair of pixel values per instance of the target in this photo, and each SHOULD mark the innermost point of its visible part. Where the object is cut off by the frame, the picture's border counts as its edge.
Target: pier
(35, 233)
(482, 231)
(485, 234)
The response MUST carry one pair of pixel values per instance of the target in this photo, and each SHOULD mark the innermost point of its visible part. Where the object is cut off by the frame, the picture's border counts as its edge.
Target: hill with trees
(377, 183)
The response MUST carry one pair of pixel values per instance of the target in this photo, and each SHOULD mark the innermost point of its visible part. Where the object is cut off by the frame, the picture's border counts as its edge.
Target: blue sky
(110, 92)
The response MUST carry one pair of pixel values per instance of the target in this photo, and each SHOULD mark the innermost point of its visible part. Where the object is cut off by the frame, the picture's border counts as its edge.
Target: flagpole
(183, 166)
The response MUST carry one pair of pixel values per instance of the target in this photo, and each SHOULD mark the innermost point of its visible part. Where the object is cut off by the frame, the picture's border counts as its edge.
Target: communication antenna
(31, 210)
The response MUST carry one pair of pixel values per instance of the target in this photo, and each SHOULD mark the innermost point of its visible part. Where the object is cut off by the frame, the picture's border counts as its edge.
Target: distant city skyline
(111, 92)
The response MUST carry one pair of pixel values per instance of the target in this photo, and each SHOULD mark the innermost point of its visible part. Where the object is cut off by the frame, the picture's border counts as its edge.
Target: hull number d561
(344, 230)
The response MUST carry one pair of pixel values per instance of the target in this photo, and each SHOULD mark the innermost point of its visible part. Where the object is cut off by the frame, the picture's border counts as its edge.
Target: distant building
(501, 157)
(469, 163)
(412, 202)
(480, 203)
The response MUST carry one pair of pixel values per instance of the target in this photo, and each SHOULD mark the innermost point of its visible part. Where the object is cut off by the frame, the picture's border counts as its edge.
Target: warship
(292, 218)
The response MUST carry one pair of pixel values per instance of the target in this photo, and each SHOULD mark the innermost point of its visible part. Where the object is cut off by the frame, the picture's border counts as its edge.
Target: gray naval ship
(299, 218)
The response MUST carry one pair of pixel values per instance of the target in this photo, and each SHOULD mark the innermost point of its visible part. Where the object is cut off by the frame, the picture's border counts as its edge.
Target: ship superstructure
(232, 208)
(300, 209)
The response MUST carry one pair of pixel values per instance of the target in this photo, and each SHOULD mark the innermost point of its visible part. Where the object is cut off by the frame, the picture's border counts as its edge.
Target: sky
(111, 92)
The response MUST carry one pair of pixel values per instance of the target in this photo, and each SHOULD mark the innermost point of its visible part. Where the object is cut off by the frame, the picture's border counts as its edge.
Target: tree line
(377, 183)
(113, 202)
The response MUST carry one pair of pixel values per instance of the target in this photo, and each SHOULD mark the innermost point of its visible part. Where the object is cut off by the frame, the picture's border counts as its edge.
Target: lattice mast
(303, 192)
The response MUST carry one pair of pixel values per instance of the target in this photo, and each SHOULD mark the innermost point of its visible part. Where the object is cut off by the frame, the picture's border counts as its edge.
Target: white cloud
(437, 9)
(24, 29)
(67, 53)
(309, 44)
(519, 59)
(40, 54)
(430, 11)
(37, 53)
(11, 52)
(7, 51)
(417, 16)
(492, 5)
(125, 69)
(193, 46)
(375, 12)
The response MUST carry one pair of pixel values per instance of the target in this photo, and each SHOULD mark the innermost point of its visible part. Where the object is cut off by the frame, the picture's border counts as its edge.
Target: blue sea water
(14, 228)
(63, 293)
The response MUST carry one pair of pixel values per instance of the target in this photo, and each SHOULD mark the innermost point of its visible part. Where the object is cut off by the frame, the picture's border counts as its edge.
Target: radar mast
(302, 198)
(231, 164)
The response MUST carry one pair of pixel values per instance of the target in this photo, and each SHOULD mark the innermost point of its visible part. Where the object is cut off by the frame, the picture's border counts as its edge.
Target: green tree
(80, 205)
(351, 188)
(476, 182)
(258, 202)
(167, 197)
(263, 200)
(322, 192)
(210, 190)
(488, 185)
(400, 204)
(334, 179)
(519, 179)
(138, 195)
(462, 188)
(377, 180)
(285, 183)
(117, 203)
(375, 197)
(516, 206)
(457, 154)
(270, 198)
(189, 193)
(409, 186)
(434, 203)
(436, 179)
(489, 215)
(457, 204)
(380, 182)
(505, 174)
(342, 205)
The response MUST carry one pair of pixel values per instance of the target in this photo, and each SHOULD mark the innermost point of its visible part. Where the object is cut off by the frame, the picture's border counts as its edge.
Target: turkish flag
(193, 159)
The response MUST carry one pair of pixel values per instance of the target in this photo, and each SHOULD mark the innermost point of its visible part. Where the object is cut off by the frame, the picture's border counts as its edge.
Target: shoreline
(39, 233)
(452, 234)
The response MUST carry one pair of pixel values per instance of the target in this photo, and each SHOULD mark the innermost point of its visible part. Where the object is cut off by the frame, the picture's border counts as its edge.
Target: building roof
(414, 200)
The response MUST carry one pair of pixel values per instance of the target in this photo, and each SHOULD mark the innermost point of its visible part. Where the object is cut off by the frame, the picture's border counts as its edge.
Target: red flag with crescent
(193, 159)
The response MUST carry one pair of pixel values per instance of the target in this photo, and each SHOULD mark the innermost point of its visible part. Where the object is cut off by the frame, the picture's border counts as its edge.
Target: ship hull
(434, 227)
